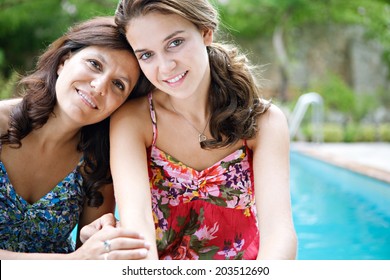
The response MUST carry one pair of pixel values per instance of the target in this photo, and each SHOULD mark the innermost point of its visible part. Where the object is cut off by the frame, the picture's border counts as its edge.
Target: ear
(207, 36)
(64, 59)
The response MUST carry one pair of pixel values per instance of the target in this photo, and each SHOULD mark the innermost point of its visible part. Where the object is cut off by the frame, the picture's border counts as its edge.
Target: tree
(277, 19)
(28, 26)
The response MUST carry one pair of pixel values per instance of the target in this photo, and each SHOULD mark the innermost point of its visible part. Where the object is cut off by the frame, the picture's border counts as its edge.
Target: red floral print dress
(208, 214)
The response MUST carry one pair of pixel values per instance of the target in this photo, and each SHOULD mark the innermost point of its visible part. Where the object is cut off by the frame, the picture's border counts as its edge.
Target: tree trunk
(281, 55)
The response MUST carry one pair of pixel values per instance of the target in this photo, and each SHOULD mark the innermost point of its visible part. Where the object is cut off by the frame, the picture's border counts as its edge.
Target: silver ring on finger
(107, 245)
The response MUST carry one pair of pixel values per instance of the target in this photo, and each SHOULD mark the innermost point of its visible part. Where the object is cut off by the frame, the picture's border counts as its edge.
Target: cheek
(113, 103)
(148, 70)
(59, 86)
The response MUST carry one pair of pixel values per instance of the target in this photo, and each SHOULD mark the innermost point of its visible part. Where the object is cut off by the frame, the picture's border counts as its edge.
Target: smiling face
(171, 52)
(93, 82)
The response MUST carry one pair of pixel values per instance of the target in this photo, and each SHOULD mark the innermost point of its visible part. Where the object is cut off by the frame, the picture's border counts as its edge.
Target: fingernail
(143, 252)
(147, 244)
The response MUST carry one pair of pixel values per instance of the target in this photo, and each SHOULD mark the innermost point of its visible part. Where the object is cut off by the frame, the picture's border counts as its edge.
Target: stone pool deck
(371, 159)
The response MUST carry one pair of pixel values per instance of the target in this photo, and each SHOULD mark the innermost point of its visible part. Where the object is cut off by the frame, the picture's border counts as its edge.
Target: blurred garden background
(339, 49)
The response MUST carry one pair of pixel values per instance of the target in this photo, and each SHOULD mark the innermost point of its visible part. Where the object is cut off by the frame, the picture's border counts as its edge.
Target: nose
(98, 85)
(167, 64)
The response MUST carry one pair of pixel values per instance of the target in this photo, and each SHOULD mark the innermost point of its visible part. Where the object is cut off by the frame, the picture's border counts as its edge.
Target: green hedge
(384, 132)
(335, 132)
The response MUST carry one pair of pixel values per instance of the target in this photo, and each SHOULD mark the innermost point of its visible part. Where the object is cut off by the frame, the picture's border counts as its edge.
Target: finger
(111, 233)
(135, 254)
(86, 232)
(122, 243)
(107, 220)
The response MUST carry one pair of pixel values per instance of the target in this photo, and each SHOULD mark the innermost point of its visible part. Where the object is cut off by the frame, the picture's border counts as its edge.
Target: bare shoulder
(272, 118)
(133, 120)
(272, 127)
(133, 109)
(5, 110)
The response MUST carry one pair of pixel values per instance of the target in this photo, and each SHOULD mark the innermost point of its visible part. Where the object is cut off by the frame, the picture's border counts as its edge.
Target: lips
(87, 99)
(176, 78)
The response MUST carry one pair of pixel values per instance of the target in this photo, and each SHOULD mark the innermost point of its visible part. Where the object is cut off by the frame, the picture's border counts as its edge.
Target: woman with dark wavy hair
(54, 149)
(214, 154)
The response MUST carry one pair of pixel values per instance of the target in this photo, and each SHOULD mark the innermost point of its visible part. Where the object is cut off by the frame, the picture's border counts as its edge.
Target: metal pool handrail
(304, 101)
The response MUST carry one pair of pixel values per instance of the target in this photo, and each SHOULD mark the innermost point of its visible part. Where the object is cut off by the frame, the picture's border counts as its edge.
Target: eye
(145, 56)
(95, 64)
(119, 84)
(176, 42)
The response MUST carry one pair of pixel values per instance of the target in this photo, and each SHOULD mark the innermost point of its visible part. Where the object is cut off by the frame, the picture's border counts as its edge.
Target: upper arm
(5, 110)
(272, 177)
(128, 159)
(271, 166)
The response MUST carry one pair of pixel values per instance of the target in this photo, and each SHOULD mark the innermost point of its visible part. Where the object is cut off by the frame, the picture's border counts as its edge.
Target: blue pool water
(338, 214)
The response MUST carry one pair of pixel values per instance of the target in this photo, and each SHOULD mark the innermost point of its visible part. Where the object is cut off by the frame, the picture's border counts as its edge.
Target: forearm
(281, 246)
(142, 221)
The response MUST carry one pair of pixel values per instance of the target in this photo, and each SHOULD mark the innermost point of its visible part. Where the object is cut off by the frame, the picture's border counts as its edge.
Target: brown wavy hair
(234, 99)
(39, 99)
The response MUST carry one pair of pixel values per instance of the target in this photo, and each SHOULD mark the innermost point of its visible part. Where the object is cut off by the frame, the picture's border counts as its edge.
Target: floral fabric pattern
(208, 214)
(44, 226)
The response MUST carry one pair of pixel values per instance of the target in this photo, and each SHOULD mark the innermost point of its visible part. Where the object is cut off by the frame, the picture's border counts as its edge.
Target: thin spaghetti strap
(153, 117)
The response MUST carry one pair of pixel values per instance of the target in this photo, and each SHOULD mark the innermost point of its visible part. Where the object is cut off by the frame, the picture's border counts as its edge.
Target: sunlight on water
(338, 214)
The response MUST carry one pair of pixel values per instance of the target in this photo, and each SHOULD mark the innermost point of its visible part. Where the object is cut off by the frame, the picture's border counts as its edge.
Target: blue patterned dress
(44, 226)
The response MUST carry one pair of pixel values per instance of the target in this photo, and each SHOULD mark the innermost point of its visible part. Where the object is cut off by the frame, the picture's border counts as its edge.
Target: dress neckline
(42, 198)
(176, 161)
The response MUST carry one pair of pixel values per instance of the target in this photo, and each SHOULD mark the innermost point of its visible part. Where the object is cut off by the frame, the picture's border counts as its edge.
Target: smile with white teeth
(86, 98)
(177, 78)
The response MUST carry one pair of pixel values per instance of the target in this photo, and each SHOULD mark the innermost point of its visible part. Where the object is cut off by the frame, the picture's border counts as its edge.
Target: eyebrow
(165, 39)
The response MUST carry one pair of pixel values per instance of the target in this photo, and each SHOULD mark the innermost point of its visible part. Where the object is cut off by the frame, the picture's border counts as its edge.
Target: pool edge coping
(369, 171)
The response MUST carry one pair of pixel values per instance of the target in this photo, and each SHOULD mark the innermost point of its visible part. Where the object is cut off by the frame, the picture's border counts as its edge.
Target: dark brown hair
(234, 97)
(39, 99)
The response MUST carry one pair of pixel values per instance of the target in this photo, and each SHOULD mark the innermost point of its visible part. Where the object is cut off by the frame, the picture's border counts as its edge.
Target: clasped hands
(104, 239)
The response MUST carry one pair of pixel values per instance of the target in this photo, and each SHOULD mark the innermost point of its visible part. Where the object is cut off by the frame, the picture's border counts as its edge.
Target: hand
(112, 243)
(107, 220)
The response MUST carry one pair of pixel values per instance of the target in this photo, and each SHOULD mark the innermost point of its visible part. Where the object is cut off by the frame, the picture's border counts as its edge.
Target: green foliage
(336, 93)
(307, 131)
(29, 26)
(384, 132)
(261, 18)
(364, 104)
(366, 133)
(333, 133)
(352, 132)
(338, 96)
(384, 96)
(253, 17)
(7, 86)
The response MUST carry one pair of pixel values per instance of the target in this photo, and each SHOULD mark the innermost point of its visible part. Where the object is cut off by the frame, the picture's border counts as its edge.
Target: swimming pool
(338, 214)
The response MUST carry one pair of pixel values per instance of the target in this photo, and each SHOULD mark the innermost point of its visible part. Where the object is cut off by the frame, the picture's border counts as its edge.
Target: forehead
(103, 51)
(155, 26)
